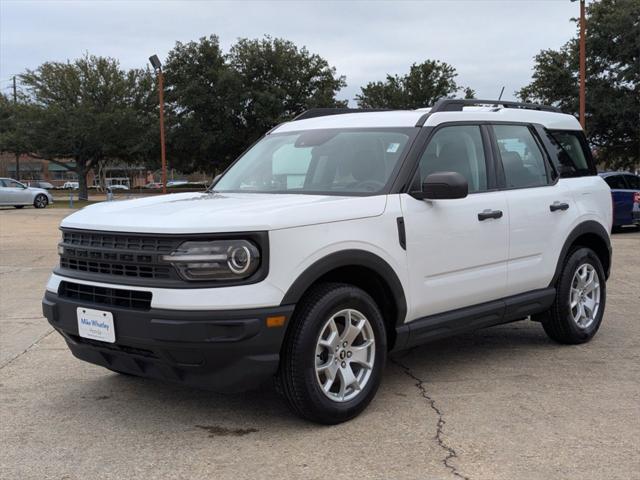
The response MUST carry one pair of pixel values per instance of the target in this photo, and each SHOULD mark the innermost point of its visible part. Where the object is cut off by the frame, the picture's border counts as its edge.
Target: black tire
(41, 201)
(18, 206)
(297, 379)
(558, 322)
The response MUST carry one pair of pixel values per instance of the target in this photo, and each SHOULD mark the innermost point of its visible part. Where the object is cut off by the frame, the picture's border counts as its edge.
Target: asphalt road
(503, 403)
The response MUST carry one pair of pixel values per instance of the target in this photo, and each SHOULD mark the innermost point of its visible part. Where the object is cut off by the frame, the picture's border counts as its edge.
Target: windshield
(338, 162)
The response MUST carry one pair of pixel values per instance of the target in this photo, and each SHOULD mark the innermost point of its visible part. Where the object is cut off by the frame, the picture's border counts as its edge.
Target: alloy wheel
(585, 295)
(345, 355)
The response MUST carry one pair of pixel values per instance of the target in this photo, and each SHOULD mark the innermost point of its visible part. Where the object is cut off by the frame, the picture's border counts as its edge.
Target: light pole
(157, 66)
(583, 63)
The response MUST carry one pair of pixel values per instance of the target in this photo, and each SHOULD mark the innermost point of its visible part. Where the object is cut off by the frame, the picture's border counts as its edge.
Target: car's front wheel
(581, 294)
(334, 354)
(40, 201)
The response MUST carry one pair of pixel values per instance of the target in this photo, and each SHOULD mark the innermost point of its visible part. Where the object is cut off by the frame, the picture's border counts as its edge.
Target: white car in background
(71, 186)
(14, 193)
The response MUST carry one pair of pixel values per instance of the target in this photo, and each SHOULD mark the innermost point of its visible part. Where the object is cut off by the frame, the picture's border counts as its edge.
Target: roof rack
(457, 104)
(323, 112)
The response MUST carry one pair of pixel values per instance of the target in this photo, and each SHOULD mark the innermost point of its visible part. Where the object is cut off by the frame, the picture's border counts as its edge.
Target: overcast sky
(490, 42)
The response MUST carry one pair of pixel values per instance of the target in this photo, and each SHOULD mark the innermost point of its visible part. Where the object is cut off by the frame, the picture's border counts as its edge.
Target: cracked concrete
(451, 454)
(500, 404)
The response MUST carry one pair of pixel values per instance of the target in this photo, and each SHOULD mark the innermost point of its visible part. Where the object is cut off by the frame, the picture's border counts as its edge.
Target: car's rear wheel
(581, 294)
(40, 201)
(334, 354)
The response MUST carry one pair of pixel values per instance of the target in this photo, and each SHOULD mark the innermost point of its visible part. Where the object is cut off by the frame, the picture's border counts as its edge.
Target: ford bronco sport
(337, 238)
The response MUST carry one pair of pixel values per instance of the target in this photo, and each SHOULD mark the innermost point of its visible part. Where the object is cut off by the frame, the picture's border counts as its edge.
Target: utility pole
(157, 66)
(15, 104)
(583, 65)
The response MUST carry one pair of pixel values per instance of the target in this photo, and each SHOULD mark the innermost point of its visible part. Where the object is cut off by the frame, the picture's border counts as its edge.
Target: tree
(203, 106)
(612, 83)
(89, 110)
(279, 80)
(425, 83)
(14, 127)
(219, 104)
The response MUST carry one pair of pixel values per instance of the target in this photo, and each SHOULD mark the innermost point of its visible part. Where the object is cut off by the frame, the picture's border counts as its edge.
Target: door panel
(541, 210)
(454, 259)
(537, 234)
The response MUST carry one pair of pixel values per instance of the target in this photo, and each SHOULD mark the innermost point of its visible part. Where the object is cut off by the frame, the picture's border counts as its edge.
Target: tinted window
(633, 181)
(318, 161)
(522, 159)
(2, 184)
(572, 154)
(616, 181)
(456, 149)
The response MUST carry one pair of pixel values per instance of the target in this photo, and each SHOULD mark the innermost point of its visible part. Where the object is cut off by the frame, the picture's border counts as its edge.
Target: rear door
(541, 207)
(456, 258)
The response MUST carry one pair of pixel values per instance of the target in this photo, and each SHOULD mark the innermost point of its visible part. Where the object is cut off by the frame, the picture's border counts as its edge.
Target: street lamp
(157, 66)
(583, 63)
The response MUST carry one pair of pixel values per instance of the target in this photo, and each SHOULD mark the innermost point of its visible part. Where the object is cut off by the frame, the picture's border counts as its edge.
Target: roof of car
(412, 118)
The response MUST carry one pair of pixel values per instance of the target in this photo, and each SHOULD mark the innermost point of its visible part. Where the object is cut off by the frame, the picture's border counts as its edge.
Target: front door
(457, 255)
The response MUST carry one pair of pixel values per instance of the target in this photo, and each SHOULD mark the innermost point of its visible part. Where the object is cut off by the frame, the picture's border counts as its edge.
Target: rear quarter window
(572, 157)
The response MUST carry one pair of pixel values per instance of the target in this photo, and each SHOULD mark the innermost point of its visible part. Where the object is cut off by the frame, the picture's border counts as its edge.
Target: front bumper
(226, 351)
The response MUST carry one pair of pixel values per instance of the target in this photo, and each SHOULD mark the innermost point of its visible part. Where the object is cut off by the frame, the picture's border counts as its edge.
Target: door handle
(558, 206)
(486, 214)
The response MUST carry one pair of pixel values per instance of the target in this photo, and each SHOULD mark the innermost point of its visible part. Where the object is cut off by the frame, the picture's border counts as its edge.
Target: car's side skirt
(471, 318)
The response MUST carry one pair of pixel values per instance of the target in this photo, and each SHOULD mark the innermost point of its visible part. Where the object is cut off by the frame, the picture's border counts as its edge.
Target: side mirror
(443, 186)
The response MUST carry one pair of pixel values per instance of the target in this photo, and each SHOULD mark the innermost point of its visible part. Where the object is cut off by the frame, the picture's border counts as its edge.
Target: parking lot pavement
(503, 403)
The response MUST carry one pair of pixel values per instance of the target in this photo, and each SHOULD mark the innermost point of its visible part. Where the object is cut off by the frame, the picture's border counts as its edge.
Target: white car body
(438, 256)
(14, 193)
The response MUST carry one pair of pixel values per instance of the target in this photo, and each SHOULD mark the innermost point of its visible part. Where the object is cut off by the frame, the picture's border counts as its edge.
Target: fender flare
(588, 227)
(349, 258)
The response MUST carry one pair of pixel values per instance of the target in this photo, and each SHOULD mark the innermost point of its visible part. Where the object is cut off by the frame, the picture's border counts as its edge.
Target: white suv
(337, 238)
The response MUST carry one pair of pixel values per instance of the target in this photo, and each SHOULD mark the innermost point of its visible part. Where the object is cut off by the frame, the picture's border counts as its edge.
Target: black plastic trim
(402, 234)
(441, 325)
(222, 350)
(457, 104)
(349, 258)
(588, 227)
(327, 111)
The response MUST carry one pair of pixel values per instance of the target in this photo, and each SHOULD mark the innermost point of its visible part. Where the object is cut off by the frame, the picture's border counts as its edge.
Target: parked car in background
(71, 186)
(625, 193)
(18, 194)
(153, 185)
(41, 184)
(117, 187)
(175, 183)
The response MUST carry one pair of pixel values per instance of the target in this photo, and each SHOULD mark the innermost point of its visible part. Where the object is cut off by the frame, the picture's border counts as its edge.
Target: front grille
(117, 241)
(106, 296)
(104, 256)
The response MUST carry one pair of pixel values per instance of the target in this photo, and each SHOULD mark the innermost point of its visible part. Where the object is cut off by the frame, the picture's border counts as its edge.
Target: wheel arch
(362, 269)
(589, 234)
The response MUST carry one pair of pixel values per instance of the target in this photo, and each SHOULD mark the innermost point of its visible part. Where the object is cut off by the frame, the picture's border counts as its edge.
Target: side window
(522, 159)
(2, 184)
(456, 149)
(616, 181)
(633, 182)
(572, 154)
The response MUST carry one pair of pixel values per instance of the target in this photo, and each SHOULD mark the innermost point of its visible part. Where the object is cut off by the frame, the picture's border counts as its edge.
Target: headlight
(215, 260)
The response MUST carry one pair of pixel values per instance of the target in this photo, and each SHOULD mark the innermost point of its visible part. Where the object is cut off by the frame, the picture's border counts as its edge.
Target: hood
(38, 190)
(222, 212)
